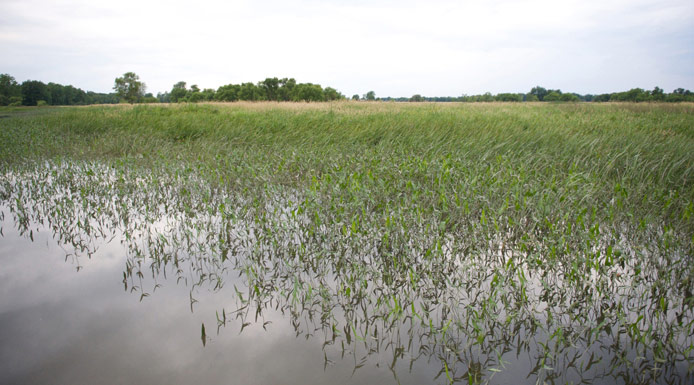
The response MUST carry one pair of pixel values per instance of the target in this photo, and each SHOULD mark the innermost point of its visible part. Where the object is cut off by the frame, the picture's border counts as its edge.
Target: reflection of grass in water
(446, 231)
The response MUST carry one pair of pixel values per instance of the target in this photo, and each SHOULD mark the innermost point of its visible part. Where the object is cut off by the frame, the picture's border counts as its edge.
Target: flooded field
(408, 254)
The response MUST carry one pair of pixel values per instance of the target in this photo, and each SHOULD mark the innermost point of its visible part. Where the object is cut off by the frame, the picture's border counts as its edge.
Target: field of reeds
(552, 243)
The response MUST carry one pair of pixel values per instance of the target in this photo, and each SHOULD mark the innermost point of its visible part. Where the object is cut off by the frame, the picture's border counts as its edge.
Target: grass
(460, 227)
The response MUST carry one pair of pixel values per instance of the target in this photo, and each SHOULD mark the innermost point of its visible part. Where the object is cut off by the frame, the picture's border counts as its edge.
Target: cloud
(395, 48)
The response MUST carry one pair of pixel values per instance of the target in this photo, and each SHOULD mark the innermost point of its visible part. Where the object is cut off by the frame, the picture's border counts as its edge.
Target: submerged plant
(470, 236)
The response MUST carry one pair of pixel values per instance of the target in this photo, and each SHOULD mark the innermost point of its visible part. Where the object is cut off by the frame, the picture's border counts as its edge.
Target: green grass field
(572, 224)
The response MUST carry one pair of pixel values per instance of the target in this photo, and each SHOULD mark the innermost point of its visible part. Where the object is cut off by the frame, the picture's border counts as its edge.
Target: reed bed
(557, 237)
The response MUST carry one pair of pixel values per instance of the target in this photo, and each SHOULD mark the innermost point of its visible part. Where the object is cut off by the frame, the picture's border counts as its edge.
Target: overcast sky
(395, 48)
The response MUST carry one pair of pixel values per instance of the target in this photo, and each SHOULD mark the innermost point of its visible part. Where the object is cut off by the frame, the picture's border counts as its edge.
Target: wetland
(348, 242)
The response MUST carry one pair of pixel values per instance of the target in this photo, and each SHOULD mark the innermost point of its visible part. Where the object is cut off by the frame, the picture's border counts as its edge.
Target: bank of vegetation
(552, 241)
(129, 89)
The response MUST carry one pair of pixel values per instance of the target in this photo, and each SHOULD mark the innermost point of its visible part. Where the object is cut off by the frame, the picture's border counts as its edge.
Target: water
(110, 274)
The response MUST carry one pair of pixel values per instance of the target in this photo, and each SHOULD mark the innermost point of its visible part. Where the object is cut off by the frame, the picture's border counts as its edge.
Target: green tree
(250, 91)
(370, 96)
(553, 96)
(568, 98)
(270, 87)
(486, 97)
(286, 89)
(164, 97)
(658, 94)
(178, 92)
(330, 93)
(129, 87)
(355, 97)
(540, 92)
(416, 98)
(194, 95)
(33, 91)
(308, 92)
(228, 93)
(10, 90)
(509, 97)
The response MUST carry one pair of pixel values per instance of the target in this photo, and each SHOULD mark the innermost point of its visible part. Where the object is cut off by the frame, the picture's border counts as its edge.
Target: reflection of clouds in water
(62, 326)
(383, 294)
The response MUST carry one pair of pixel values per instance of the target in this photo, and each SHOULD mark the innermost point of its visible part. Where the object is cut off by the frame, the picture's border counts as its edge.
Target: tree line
(34, 92)
(541, 94)
(130, 89)
(270, 89)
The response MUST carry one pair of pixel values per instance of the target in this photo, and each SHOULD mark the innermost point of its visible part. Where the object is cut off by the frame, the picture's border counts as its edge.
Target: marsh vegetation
(476, 243)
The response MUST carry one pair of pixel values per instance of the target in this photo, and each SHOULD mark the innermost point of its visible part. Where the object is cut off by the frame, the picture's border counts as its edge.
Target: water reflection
(408, 297)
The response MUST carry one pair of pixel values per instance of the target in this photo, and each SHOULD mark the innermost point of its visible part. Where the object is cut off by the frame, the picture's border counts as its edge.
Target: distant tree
(250, 91)
(416, 98)
(680, 95)
(33, 91)
(540, 92)
(208, 94)
(486, 97)
(370, 96)
(602, 98)
(129, 87)
(553, 96)
(330, 93)
(228, 93)
(633, 95)
(531, 98)
(568, 98)
(509, 97)
(355, 97)
(179, 92)
(10, 90)
(270, 87)
(286, 88)
(308, 92)
(149, 98)
(164, 97)
(657, 94)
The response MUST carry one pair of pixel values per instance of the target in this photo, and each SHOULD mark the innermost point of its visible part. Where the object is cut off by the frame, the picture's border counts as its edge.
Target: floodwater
(108, 279)
(59, 325)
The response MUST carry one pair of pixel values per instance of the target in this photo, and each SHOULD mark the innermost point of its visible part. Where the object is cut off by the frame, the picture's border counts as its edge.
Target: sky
(395, 48)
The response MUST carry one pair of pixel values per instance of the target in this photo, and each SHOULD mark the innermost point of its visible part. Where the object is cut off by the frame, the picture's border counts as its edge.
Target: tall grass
(567, 225)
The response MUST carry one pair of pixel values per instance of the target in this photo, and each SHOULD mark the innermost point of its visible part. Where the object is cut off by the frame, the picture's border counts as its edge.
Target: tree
(250, 91)
(355, 97)
(10, 90)
(129, 87)
(658, 94)
(33, 91)
(332, 94)
(271, 87)
(509, 97)
(308, 92)
(178, 92)
(164, 97)
(568, 98)
(371, 96)
(416, 98)
(228, 93)
(286, 89)
(553, 96)
(540, 92)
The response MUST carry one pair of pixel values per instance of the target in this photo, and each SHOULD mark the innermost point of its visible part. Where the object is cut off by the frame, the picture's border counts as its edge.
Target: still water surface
(60, 325)
(116, 276)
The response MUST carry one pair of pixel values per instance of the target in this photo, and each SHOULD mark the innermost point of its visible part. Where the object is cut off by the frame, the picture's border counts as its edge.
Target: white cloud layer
(396, 48)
